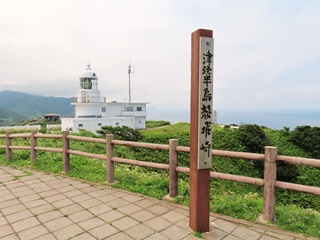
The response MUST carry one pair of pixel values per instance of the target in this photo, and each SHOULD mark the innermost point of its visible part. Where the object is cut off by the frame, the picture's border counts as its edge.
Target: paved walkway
(35, 205)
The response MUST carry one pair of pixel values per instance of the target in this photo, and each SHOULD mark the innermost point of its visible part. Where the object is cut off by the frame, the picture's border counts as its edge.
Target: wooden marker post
(201, 129)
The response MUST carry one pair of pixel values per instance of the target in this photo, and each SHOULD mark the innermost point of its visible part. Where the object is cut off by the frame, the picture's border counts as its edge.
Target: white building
(92, 111)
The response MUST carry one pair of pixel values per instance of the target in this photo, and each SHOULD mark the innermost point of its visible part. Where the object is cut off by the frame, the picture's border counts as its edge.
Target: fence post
(33, 142)
(8, 144)
(65, 154)
(270, 177)
(110, 163)
(173, 174)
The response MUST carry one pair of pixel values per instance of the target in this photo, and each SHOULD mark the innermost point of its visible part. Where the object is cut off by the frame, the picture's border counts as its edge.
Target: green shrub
(253, 138)
(121, 133)
(153, 124)
(308, 138)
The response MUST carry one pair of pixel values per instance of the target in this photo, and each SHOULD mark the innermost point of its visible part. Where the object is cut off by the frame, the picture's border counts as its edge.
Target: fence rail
(270, 158)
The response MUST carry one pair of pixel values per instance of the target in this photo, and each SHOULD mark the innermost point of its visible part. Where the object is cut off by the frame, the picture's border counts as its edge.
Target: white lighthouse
(92, 111)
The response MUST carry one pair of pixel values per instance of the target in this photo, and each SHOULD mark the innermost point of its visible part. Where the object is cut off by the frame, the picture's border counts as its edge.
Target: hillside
(25, 106)
(8, 117)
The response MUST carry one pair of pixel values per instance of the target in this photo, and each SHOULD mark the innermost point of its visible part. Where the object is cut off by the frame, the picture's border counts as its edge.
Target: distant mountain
(32, 106)
(8, 117)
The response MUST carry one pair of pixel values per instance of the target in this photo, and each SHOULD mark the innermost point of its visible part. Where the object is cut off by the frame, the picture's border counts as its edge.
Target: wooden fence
(270, 158)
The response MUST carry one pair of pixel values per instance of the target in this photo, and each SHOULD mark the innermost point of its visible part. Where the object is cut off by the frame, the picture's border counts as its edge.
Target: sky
(266, 52)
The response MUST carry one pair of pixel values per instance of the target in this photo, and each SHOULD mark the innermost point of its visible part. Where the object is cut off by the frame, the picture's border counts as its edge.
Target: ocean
(275, 119)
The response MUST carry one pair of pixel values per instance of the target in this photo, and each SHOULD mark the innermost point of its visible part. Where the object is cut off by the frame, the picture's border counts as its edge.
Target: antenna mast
(130, 73)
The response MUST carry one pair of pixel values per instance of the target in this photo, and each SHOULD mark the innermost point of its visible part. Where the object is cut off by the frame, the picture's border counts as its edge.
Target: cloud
(258, 46)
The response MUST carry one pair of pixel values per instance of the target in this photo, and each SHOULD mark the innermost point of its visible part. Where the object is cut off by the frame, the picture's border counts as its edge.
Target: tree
(253, 138)
(308, 138)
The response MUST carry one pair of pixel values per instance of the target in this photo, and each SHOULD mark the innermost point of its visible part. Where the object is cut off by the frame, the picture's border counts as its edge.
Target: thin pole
(129, 72)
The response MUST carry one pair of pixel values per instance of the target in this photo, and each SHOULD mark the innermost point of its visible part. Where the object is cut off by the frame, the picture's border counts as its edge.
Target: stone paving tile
(9, 203)
(184, 223)
(86, 190)
(11, 237)
(19, 216)
(15, 172)
(57, 183)
(184, 212)
(142, 215)
(48, 216)
(49, 193)
(120, 236)
(157, 223)
(48, 236)
(107, 198)
(6, 178)
(12, 209)
(245, 233)
(257, 229)
(124, 223)
(62, 203)
(230, 237)
(132, 198)
(89, 203)
(32, 233)
(120, 194)
(38, 185)
(99, 209)
(68, 232)
(83, 236)
(175, 232)
(71, 209)
(145, 203)
(24, 193)
(5, 230)
(173, 216)
(41, 209)
(117, 203)
(224, 225)
(54, 198)
(7, 197)
(29, 198)
(81, 198)
(19, 189)
(103, 231)
(72, 193)
(58, 223)
(158, 209)
(66, 189)
(111, 216)
(139, 231)
(80, 216)
(42, 189)
(25, 224)
(35, 203)
(14, 184)
(79, 185)
(28, 180)
(97, 193)
(3, 221)
(190, 237)
(3, 191)
(156, 236)
(268, 238)
(279, 236)
(91, 223)
(129, 209)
